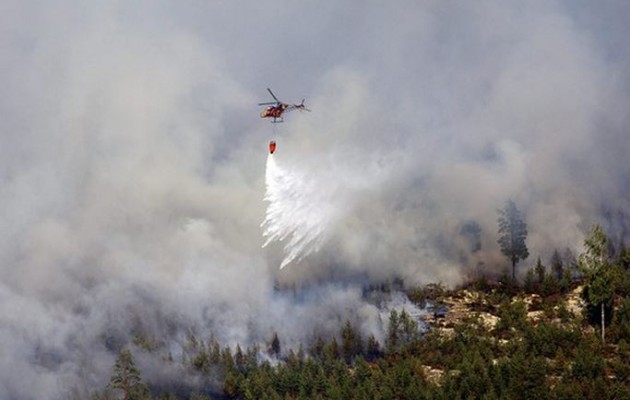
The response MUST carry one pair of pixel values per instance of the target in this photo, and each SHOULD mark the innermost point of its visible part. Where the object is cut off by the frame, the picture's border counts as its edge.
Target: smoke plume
(132, 162)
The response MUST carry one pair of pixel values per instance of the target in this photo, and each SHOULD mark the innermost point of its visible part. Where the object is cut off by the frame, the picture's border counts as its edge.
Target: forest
(562, 332)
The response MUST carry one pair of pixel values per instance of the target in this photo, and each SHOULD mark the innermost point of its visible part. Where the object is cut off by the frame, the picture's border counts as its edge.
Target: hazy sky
(132, 160)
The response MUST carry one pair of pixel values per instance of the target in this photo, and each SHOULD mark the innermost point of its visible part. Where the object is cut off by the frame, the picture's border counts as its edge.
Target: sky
(133, 162)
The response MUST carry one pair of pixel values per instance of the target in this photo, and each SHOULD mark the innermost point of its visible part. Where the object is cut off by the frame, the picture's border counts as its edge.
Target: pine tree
(599, 273)
(621, 320)
(529, 285)
(373, 348)
(201, 358)
(513, 232)
(227, 360)
(557, 267)
(540, 271)
(317, 348)
(331, 351)
(351, 342)
(126, 377)
(393, 332)
(239, 358)
(274, 346)
(215, 352)
(623, 257)
(408, 328)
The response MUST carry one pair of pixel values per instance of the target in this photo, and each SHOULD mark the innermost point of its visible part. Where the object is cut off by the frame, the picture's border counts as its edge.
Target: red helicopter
(277, 108)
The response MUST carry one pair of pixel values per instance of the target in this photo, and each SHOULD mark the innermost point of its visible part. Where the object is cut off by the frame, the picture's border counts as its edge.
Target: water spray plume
(298, 212)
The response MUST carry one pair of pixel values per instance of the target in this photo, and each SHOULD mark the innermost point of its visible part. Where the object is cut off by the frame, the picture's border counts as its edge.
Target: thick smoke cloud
(132, 162)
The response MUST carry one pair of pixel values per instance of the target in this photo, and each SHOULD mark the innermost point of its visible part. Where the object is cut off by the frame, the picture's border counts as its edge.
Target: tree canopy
(598, 271)
(512, 234)
(126, 378)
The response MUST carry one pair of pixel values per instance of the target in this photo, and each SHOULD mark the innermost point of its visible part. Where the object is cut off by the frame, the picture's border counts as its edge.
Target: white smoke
(132, 182)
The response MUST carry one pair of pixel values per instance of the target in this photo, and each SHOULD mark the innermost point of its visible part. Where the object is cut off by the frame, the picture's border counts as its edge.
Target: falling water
(298, 213)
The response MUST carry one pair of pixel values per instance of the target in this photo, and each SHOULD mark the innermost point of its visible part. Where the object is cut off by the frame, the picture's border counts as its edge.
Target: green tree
(621, 321)
(512, 314)
(201, 358)
(557, 267)
(512, 235)
(351, 342)
(594, 263)
(408, 328)
(550, 285)
(570, 263)
(126, 378)
(239, 358)
(331, 351)
(317, 348)
(393, 332)
(373, 350)
(274, 346)
(540, 271)
(530, 285)
(623, 257)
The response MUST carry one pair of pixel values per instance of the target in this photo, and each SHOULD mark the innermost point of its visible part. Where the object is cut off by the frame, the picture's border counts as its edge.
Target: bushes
(620, 325)
(550, 340)
(513, 316)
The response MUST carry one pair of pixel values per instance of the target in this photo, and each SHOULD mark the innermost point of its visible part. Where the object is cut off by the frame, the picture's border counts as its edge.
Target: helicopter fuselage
(274, 111)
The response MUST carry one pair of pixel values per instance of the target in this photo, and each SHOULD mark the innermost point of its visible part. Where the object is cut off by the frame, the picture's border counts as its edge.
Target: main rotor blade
(273, 95)
(267, 104)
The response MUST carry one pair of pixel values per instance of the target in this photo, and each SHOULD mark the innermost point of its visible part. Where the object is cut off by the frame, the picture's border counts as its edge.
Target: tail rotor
(301, 106)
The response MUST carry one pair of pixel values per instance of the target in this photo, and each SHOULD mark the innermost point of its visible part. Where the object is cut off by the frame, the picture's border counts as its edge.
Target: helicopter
(277, 108)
